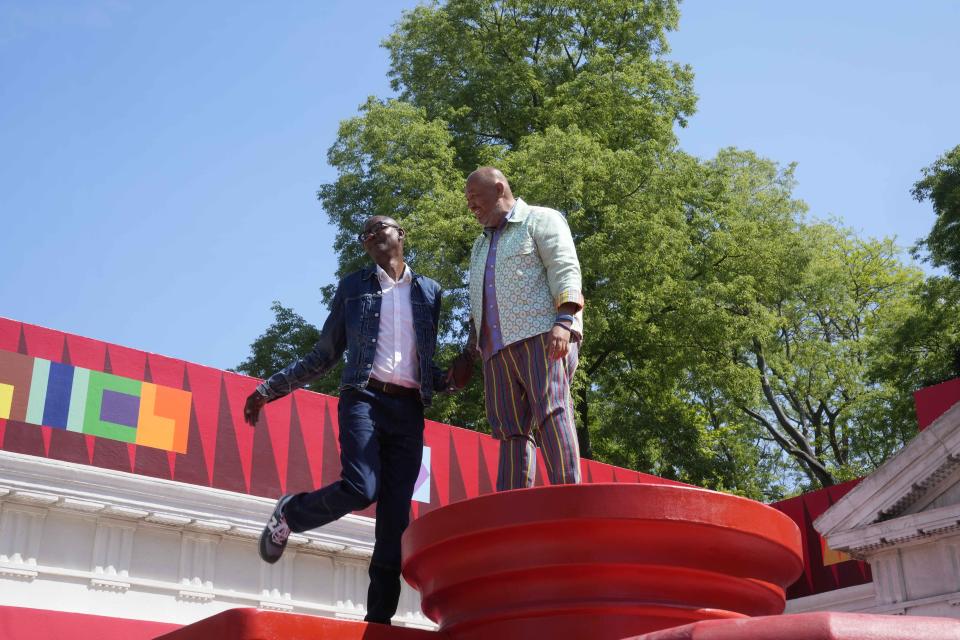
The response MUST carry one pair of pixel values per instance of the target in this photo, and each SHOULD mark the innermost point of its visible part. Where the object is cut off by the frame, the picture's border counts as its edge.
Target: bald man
(525, 306)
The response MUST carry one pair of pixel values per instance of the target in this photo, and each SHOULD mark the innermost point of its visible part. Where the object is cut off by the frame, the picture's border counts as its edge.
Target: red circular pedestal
(598, 561)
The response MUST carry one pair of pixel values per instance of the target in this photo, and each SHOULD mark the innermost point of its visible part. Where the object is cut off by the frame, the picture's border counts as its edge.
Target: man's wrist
(564, 320)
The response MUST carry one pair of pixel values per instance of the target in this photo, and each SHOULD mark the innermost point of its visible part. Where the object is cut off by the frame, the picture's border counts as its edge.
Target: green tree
(920, 347)
(288, 338)
(491, 77)
(497, 71)
(941, 185)
(810, 365)
(727, 340)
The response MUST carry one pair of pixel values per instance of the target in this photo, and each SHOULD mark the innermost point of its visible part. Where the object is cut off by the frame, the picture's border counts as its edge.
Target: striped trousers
(528, 402)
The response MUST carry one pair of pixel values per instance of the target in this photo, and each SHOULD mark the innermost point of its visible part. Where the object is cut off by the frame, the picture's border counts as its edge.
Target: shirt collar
(506, 218)
(385, 278)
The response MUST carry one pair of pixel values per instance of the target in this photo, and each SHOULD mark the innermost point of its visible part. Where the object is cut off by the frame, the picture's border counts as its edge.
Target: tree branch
(782, 442)
(803, 450)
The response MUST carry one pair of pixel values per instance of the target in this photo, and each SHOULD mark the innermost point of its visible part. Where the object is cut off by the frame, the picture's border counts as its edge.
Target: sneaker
(273, 540)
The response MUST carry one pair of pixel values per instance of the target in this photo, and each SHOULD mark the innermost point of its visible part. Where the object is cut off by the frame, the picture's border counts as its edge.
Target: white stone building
(82, 539)
(904, 520)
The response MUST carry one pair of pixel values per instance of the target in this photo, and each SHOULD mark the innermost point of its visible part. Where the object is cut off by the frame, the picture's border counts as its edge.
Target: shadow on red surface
(254, 624)
(22, 623)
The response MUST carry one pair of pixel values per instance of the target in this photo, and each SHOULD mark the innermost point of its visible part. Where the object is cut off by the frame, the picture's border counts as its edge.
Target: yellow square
(6, 400)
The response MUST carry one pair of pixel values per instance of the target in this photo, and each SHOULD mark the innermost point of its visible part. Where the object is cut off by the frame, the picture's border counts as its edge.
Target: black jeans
(381, 445)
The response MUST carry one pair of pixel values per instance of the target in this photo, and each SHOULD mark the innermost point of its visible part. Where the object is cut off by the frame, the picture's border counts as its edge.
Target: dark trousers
(381, 444)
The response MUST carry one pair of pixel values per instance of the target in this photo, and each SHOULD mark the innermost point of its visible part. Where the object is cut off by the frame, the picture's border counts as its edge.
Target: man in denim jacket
(385, 317)
(525, 309)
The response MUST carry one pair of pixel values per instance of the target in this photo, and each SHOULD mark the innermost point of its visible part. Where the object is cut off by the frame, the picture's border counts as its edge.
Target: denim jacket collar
(368, 271)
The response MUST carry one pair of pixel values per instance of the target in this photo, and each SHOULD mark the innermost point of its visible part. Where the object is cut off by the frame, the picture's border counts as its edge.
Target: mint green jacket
(536, 271)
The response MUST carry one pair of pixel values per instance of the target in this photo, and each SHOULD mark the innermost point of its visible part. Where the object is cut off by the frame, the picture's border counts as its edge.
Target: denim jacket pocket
(422, 320)
(358, 310)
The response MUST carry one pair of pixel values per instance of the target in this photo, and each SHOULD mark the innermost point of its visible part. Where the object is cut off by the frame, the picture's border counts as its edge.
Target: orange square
(164, 420)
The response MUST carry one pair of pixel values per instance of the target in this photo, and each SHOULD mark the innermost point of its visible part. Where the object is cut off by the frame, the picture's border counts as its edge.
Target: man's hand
(461, 370)
(251, 410)
(558, 342)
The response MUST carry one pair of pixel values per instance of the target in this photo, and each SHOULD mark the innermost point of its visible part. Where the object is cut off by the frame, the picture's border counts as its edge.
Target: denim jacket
(353, 325)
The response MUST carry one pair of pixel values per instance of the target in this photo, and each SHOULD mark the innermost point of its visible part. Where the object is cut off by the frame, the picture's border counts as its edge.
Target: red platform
(595, 562)
(254, 624)
(602, 561)
(816, 626)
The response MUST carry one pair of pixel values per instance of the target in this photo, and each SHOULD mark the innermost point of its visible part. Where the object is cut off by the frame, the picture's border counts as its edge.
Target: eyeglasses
(363, 236)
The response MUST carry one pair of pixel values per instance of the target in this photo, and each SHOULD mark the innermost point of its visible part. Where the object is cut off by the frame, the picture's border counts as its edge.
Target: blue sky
(159, 161)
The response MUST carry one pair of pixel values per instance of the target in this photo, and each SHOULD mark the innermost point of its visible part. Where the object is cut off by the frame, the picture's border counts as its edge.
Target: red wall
(817, 576)
(294, 448)
(933, 402)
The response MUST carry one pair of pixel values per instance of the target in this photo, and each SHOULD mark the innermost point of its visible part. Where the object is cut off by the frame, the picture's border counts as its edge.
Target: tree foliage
(729, 342)
(499, 71)
(941, 185)
(806, 370)
(288, 338)
(919, 348)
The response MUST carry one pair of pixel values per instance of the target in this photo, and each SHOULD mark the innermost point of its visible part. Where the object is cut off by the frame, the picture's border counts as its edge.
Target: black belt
(393, 389)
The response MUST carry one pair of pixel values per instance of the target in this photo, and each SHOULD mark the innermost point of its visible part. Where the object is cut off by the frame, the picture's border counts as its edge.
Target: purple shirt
(491, 338)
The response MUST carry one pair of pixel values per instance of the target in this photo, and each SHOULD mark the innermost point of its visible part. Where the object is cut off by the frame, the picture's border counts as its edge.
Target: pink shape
(204, 384)
(424, 474)
(238, 388)
(86, 353)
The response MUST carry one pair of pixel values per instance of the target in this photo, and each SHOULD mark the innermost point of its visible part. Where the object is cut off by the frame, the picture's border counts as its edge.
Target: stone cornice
(903, 483)
(52, 484)
(863, 542)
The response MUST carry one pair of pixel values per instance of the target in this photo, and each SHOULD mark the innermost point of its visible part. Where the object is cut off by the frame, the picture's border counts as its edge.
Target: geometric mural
(42, 392)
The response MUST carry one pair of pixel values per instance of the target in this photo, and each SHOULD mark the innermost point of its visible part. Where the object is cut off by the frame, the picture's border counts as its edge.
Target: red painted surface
(253, 624)
(294, 447)
(818, 577)
(21, 623)
(933, 402)
(816, 626)
(602, 561)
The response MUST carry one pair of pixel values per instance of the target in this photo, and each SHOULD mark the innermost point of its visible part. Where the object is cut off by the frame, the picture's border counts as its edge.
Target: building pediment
(913, 495)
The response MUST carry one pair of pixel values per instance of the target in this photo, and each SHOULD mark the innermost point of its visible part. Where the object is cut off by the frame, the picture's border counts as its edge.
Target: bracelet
(564, 317)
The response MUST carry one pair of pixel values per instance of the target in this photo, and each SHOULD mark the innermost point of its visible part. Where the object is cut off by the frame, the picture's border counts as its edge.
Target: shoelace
(280, 533)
